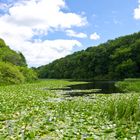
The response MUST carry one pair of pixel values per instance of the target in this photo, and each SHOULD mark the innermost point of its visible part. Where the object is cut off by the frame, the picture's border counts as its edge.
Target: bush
(10, 74)
(29, 74)
(9, 55)
(2, 43)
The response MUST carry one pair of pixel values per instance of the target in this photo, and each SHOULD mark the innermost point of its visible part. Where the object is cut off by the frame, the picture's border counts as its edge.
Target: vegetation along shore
(55, 109)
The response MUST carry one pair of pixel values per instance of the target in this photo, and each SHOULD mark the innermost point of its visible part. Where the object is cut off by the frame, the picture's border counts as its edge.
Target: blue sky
(109, 18)
(45, 30)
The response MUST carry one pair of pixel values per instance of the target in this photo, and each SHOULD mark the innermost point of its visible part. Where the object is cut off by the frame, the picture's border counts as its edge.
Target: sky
(45, 30)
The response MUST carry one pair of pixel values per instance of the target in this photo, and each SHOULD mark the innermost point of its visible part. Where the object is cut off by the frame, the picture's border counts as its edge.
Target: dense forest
(13, 67)
(115, 59)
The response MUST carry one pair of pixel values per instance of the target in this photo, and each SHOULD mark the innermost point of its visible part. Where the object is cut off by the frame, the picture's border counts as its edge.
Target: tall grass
(129, 85)
(125, 107)
(122, 108)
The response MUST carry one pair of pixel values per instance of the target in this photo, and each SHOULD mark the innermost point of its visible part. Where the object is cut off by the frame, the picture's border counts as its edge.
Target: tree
(115, 59)
(9, 74)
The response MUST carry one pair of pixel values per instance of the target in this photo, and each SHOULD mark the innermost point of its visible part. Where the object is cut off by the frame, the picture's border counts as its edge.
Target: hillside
(115, 59)
(8, 55)
(13, 67)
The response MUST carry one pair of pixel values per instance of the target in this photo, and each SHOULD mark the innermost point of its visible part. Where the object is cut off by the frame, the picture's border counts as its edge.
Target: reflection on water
(95, 87)
(105, 86)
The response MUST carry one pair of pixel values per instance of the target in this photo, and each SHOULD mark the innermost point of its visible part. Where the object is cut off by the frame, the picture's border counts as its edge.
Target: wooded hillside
(115, 59)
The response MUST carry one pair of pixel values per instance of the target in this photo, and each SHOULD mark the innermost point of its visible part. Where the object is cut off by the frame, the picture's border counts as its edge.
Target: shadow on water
(95, 87)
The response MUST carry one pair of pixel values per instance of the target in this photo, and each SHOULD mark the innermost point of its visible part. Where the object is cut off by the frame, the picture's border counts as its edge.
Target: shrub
(2, 43)
(29, 74)
(10, 74)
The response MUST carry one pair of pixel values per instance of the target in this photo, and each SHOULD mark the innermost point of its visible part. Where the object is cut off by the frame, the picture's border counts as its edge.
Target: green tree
(9, 74)
(115, 59)
(29, 74)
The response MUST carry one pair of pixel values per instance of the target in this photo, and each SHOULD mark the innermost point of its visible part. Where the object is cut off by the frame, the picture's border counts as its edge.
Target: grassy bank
(129, 85)
(32, 112)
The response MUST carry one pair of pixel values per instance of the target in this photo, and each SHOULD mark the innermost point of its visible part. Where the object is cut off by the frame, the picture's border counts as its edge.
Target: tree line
(115, 59)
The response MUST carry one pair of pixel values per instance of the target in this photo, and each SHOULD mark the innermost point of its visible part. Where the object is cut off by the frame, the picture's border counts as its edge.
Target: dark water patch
(106, 87)
(86, 89)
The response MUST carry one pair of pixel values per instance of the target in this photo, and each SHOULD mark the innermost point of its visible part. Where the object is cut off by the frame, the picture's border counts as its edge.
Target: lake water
(107, 87)
(95, 87)
(101, 87)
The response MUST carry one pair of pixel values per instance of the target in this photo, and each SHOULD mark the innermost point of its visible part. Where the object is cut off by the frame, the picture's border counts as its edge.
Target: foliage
(115, 59)
(8, 55)
(122, 108)
(129, 85)
(29, 74)
(28, 111)
(13, 67)
(9, 74)
(2, 43)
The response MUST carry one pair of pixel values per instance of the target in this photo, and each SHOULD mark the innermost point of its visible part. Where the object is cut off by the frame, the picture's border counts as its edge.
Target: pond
(94, 87)
(107, 87)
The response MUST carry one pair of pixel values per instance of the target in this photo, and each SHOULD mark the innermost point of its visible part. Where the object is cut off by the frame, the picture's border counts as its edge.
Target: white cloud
(43, 15)
(27, 18)
(72, 33)
(43, 52)
(94, 36)
(137, 12)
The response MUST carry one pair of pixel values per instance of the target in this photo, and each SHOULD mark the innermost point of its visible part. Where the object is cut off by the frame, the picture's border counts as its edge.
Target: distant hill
(13, 67)
(115, 59)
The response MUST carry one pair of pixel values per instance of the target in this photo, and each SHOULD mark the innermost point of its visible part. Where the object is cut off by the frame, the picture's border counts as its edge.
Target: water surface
(94, 87)
(106, 87)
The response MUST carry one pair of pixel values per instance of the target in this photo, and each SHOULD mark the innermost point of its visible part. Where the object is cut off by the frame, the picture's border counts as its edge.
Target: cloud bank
(25, 20)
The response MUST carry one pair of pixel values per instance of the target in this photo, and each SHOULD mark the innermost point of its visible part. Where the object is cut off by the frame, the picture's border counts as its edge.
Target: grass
(129, 85)
(26, 113)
